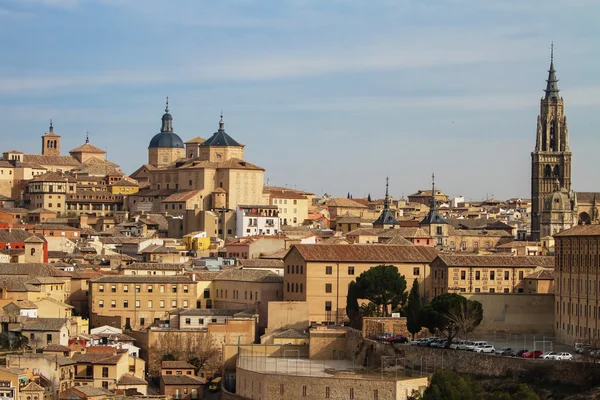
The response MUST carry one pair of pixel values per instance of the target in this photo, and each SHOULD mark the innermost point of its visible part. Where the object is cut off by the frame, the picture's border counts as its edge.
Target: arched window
(556, 171)
(548, 171)
(32, 251)
(553, 136)
(584, 219)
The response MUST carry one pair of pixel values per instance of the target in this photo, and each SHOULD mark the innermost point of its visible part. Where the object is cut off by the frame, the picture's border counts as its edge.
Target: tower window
(548, 171)
(556, 171)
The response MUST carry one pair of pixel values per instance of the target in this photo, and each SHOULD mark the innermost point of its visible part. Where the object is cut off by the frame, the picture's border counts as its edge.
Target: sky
(327, 95)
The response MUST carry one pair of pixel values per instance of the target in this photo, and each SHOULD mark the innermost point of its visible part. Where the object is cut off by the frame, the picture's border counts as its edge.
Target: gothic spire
(386, 202)
(552, 81)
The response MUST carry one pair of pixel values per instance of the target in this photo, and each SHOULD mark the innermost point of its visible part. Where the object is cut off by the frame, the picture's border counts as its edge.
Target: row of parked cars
(481, 346)
(391, 338)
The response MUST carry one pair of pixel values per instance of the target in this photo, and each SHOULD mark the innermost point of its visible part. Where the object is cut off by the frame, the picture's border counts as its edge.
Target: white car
(463, 345)
(549, 355)
(471, 346)
(563, 356)
(486, 348)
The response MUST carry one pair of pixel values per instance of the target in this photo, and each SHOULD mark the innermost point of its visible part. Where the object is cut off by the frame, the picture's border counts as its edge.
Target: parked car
(384, 336)
(397, 339)
(533, 354)
(548, 355)
(563, 356)
(488, 348)
(505, 351)
(455, 344)
(438, 343)
(415, 342)
(520, 353)
(472, 345)
(464, 344)
(581, 348)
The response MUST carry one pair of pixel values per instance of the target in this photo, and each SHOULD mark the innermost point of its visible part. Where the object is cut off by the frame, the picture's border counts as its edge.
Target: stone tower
(551, 160)
(50, 142)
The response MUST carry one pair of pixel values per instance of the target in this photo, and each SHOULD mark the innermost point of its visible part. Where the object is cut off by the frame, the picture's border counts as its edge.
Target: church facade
(555, 206)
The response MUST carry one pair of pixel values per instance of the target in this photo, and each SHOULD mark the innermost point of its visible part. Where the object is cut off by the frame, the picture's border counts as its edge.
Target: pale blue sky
(328, 95)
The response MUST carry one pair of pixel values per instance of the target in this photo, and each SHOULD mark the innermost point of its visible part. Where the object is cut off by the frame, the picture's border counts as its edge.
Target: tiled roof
(350, 219)
(51, 160)
(480, 232)
(248, 275)
(261, 263)
(515, 244)
(87, 148)
(60, 360)
(286, 194)
(56, 347)
(44, 324)
(14, 235)
(197, 139)
(142, 279)
(159, 249)
(182, 196)
(455, 260)
(374, 253)
(208, 312)
(543, 274)
(124, 182)
(12, 370)
(97, 358)
(26, 304)
(33, 270)
(398, 240)
(128, 379)
(59, 227)
(92, 391)
(580, 230)
(181, 380)
(176, 364)
(587, 197)
(153, 266)
(479, 223)
(343, 202)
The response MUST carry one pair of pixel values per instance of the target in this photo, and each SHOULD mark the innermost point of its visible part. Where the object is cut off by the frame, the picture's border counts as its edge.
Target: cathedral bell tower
(551, 160)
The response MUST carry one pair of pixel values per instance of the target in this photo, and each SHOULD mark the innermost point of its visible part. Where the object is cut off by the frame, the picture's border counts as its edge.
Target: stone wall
(567, 372)
(373, 326)
(519, 313)
(327, 344)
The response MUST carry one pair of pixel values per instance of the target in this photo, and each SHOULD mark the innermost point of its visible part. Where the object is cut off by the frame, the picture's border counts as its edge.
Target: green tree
(369, 310)
(381, 285)
(525, 393)
(352, 308)
(413, 310)
(451, 313)
(369, 197)
(448, 385)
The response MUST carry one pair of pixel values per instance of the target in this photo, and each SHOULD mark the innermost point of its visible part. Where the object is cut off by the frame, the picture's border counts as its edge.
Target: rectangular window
(506, 275)
(150, 289)
(174, 289)
(207, 293)
(463, 275)
(137, 288)
(101, 288)
(351, 393)
(105, 384)
(327, 306)
(125, 303)
(477, 275)
(303, 390)
(328, 288)
(162, 304)
(416, 271)
(477, 290)
(492, 290)
(105, 372)
(185, 304)
(328, 270)
(174, 303)
(101, 303)
(185, 289)
(375, 395)
(188, 321)
(142, 321)
(113, 304)
(149, 303)
(113, 288)
(126, 288)
(281, 388)
(162, 288)
(137, 304)
(492, 275)
(520, 275)
(506, 290)
(350, 270)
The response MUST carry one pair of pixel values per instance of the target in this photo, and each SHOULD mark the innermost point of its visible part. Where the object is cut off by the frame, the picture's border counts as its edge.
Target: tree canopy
(451, 314)
(413, 309)
(381, 285)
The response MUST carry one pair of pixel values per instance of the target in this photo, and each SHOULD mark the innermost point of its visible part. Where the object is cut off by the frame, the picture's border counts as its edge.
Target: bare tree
(195, 347)
(466, 318)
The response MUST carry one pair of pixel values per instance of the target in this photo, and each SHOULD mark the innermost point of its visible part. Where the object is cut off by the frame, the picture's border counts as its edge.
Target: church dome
(166, 138)
(558, 201)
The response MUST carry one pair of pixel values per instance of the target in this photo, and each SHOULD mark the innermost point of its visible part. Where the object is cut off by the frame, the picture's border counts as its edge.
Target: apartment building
(577, 284)
(459, 273)
(320, 273)
(136, 301)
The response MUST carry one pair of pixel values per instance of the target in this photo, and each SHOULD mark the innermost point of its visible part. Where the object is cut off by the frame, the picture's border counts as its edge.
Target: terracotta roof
(455, 260)
(14, 235)
(543, 274)
(51, 160)
(128, 379)
(261, 263)
(587, 197)
(60, 360)
(291, 334)
(44, 324)
(581, 230)
(182, 196)
(219, 190)
(343, 202)
(197, 139)
(56, 347)
(182, 380)
(351, 219)
(124, 182)
(375, 253)
(87, 148)
(398, 240)
(92, 391)
(516, 243)
(479, 223)
(248, 275)
(159, 249)
(32, 269)
(26, 304)
(142, 279)
(286, 194)
(154, 266)
(176, 364)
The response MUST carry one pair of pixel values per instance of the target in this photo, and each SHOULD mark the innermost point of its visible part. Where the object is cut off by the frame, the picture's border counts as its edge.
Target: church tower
(51, 142)
(551, 160)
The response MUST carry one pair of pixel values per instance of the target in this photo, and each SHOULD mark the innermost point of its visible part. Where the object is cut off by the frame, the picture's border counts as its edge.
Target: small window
(328, 288)
(506, 275)
(416, 271)
(492, 275)
(150, 288)
(328, 270)
(328, 306)
(350, 270)
(188, 321)
(477, 275)
(463, 275)
(101, 288)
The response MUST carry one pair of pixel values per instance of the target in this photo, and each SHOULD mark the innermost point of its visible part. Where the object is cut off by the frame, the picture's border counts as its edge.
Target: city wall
(517, 313)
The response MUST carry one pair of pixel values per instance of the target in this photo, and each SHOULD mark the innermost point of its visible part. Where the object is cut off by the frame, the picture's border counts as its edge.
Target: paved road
(528, 342)
(212, 396)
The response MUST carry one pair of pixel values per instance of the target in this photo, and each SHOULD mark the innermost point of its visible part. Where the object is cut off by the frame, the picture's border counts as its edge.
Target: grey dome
(169, 140)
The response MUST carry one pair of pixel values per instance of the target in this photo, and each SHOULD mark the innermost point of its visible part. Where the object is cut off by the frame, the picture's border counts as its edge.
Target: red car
(533, 354)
